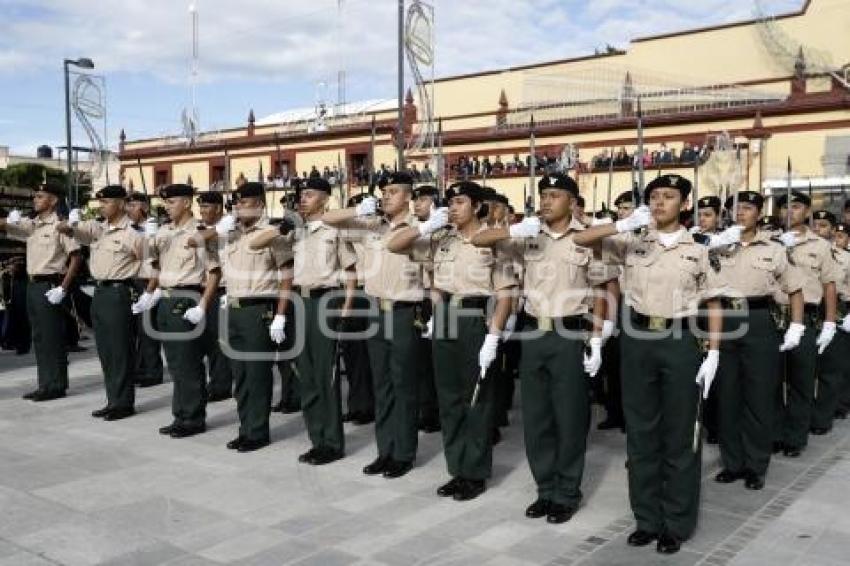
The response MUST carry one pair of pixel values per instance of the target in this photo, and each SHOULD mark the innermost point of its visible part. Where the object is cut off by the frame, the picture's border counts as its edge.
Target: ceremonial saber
(640, 143)
(595, 179)
(477, 390)
(735, 191)
(610, 176)
(698, 420)
(532, 166)
(696, 190)
(372, 155)
(811, 201)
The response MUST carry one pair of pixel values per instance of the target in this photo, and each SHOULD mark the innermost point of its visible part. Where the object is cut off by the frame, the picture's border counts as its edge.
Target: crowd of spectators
(659, 157)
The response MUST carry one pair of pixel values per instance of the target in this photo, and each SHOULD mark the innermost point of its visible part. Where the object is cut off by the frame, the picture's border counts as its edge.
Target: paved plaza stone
(79, 491)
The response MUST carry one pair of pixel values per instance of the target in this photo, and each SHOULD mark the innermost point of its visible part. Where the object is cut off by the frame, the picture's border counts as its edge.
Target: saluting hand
(14, 217)
(640, 217)
(74, 217)
(367, 207)
(528, 228)
(438, 219)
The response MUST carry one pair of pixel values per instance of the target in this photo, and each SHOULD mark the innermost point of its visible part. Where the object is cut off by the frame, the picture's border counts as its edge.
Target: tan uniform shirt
(813, 257)
(321, 256)
(146, 270)
(254, 273)
(757, 269)
(842, 258)
(116, 249)
(47, 249)
(661, 281)
(555, 282)
(386, 275)
(461, 268)
(180, 265)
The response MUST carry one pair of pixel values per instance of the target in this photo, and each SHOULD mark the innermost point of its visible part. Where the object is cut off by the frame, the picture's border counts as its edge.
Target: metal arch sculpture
(89, 104)
(419, 50)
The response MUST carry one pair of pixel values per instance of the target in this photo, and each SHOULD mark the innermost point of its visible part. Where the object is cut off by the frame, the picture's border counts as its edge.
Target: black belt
(112, 282)
(467, 302)
(168, 292)
(53, 278)
(752, 303)
(315, 292)
(242, 302)
(652, 322)
(575, 322)
(390, 305)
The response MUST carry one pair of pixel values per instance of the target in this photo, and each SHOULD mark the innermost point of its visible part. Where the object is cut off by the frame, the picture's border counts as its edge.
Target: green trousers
(113, 330)
(660, 405)
(248, 333)
(746, 387)
(832, 379)
(147, 362)
(555, 411)
(466, 429)
(218, 366)
(796, 398)
(321, 402)
(394, 353)
(48, 337)
(185, 358)
(428, 405)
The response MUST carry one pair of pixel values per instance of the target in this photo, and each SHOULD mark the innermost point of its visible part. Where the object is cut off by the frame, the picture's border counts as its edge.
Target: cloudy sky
(269, 55)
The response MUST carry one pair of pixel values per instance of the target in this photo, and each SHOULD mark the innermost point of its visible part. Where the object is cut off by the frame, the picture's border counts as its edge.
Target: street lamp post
(82, 63)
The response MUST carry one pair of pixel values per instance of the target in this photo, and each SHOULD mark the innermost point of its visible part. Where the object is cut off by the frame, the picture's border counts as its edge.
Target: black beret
(580, 201)
(251, 190)
(710, 202)
(626, 196)
(750, 197)
(396, 178)
(825, 215)
(426, 191)
(138, 197)
(841, 227)
(211, 197)
(466, 188)
(179, 190)
(53, 187)
(558, 181)
(317, 184)
(796, 196)
(111, 191)
(668, 181)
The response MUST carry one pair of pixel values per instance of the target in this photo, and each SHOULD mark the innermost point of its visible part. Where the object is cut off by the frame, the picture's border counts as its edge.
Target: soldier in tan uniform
(395, 288)
(182, 270)
(841, 242)
(53, 261)
(116, 253)
(813, 256)
(147, 350)
(258, 284)
(465, 342)
(665, 282)
(750, 273)
(559, 297)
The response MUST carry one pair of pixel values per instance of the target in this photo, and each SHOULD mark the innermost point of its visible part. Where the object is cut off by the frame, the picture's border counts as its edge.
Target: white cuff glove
(55, 295)
(367, 207)
(276, 329)
(792, 336)
(727, 237)
(845, 324)
(151, 227)
(528, 228)
(640, 217)
(146, 302)
(593, 362)
(429, 329)
(14, 217)
(789, 239)
(438, 219)
(601, 221)
(195, 315)
(488, 351)
(827, 333)
(707, 371)
(226, 225)
(694, 229)
(74, 217)
(607, 330)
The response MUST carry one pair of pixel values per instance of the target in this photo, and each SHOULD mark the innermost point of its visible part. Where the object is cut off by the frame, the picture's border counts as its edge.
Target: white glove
(74, 216)
(276, 331)
(728, 237)
(827, 333)
(145, 302)
(601, 221)
(439, 218)
(694, 230)
(429, 329)
(226, 225)
(707, 371)
(845, 324)
(607, 330)
(151, 227)
(789, 239)
(195, 315)
(792, 336)
(593, 362)
(488, 351)
(528, 228)
(55, 295)
(14, 217)
(640, 217)
(367, 207)
(222, 302)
